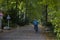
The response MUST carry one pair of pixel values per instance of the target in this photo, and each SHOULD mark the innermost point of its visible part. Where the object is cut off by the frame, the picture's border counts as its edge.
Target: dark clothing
(36, 28)
(35, 23)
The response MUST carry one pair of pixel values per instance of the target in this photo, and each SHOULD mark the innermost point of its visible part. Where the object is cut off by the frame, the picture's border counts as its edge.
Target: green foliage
(32, 9)
(53, 11)
(54, 17)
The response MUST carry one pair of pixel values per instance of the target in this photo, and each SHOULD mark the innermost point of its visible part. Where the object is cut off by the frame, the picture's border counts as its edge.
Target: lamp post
(8, 18)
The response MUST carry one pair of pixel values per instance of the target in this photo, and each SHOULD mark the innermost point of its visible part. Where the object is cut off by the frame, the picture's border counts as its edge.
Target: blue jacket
(35, 22)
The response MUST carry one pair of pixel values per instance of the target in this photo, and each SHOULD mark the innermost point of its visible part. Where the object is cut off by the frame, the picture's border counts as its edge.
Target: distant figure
(35, 23)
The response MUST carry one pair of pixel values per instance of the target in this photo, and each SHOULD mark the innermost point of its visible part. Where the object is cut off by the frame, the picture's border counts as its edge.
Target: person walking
(35, 23)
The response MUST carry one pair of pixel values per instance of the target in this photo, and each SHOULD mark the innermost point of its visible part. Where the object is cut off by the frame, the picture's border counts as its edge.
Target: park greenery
(23, 12)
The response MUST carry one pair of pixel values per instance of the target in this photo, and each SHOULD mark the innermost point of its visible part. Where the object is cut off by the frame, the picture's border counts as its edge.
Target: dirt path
(24, 33)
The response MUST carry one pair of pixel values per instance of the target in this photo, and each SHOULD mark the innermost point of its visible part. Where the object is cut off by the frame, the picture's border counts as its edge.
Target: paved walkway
(25, 33)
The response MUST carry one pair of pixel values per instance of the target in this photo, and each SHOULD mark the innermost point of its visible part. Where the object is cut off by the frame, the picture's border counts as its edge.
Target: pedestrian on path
(35, 23)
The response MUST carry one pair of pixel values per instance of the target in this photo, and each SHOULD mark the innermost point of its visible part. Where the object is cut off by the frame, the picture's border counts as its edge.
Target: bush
(50, 26)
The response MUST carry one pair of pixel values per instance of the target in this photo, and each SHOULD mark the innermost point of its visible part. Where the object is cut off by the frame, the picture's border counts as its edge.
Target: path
(24, 33)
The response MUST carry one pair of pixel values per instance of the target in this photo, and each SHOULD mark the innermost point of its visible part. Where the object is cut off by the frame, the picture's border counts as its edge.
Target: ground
(25, 33)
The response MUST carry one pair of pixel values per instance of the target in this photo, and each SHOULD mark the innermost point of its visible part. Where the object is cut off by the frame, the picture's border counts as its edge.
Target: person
(35, 23)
